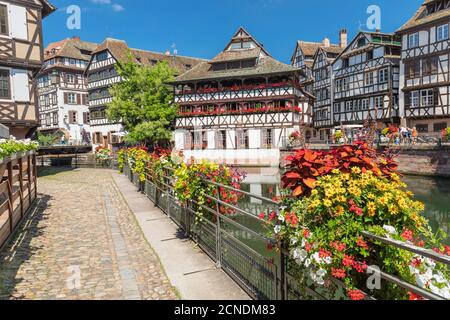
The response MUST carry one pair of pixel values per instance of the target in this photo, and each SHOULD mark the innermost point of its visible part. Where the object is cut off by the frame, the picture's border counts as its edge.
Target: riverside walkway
(83, 240)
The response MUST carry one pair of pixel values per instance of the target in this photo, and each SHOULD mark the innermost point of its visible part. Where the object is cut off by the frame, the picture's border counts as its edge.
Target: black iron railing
(240, 248)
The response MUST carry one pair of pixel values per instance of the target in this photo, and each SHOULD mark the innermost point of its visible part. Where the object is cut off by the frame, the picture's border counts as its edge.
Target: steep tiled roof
(309, 48)
(421, 17)
(237, 55)
(70, 48)
(120, 51)
(265, 66)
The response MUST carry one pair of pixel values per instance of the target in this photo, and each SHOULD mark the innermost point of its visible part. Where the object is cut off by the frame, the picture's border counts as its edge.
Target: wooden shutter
(83, 99)
(188, 141)
(78, 98)
(263, 138)
(436, 97)
(66, 98)
(408, 99)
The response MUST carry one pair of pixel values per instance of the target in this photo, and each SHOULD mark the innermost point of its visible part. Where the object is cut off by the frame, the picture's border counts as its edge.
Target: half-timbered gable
(240, 106)
(102, 74)
(62, 89)
(366, 80)
(21, 57)
(425, 80)
(322, 75)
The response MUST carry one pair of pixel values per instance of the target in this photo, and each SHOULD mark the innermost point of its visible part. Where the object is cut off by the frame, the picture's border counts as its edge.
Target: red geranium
(356, 295)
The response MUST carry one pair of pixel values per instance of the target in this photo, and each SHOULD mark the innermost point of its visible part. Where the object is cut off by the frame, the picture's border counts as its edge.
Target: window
(55, 118)
(5, 85)
(221, 139)
(4, 20)
(415, 99)
(71, 98)
(339, 85)
(442, 32)
(86, 118)
(438, 127)
(427, 97)
(422, 128)
(368, 78)
(413, 40)
(267, 138)
(430, 66)
(383, 75)
(242, 141)
(102, 56)
(70, 78)
(370, 55)
(365, 104)
(361, 42)
(345, 62)
(337, 108)
(378, 103)
(412, 69)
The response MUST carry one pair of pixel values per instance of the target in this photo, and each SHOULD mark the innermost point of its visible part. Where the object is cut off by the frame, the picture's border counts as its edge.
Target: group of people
(404, 135)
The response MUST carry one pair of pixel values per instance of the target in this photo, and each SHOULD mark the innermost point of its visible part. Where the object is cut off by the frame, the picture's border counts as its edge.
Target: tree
(143, 102)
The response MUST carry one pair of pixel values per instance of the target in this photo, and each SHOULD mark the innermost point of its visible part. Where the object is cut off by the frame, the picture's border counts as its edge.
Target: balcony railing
(220, 111)
(18, 191)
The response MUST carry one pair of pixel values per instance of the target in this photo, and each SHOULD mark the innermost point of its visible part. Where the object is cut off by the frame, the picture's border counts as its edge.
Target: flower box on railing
(237, 88)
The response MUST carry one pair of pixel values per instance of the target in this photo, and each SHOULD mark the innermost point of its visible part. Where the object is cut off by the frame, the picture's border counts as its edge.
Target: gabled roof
(368, 35)
(70, 48)
(421, 17)
(309, 49)
(265, 64)
(47, 8)
(330, 53)
(120, 51)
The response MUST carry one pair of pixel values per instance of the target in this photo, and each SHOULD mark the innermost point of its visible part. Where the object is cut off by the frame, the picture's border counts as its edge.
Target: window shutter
(436, 97)
(19, 28)
(85, 118)
(20, 85)
(408, 99)
(83, 99)
(78, 98)
(188, 141)
(66, 98)
(263, 138)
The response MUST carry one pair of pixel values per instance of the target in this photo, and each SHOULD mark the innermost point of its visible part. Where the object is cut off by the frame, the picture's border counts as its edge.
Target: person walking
(415, 135)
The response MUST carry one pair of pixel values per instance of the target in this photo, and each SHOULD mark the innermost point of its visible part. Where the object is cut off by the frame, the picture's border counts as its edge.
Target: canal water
(433, 192)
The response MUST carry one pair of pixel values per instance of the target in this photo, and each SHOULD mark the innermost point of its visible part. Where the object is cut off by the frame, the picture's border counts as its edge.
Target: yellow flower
(371, 196)
(356, 170)
(336, 171)
(315, 192)
(383, 201)
(327, 203)
(371, 209)
(339, 210)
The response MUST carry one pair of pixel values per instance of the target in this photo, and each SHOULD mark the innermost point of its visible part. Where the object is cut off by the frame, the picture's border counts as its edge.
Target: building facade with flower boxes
(425, 70)
(240, 107)
(102, 74)
(21, 57)
(62, 90)
(366, 80)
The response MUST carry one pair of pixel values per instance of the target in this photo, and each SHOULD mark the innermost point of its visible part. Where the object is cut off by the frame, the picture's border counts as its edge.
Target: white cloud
(117, 7)
(114, 6)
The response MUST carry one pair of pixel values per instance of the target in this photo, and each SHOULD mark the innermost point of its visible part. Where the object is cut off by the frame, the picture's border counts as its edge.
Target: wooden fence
(18, 191)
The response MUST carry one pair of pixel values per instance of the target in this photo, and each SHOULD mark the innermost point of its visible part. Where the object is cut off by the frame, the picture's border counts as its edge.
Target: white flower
(439, 277)
(328, 260)
(321, 273)
(277, 229)
(390, 229)
(320, 281)
(303, 243)
(317, 258)
(281, 218)
(294, 241)
(307, 263)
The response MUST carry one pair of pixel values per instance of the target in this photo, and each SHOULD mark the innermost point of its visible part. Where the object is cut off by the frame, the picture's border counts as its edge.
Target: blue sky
(202, 28)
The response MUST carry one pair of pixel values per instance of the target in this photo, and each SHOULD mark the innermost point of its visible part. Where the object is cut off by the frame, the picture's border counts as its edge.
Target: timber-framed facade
(101, 74)
(62, 90)
(241, 106)
(425, 68)
(21, 57)
(366, 80)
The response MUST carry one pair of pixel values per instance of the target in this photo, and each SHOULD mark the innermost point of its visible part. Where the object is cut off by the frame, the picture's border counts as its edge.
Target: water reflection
(434, 192)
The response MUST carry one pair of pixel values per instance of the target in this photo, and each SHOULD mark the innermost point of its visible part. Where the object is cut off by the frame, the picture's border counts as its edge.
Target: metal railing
(238, 243)
(18, 191)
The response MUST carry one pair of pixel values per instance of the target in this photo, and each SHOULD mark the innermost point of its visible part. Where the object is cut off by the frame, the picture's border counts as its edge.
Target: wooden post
(20, 162)
(10, 196)
(34, 175)
(29, 178)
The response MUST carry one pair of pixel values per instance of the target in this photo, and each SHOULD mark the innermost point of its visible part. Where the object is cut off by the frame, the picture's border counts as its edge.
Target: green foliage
(11, 147)
(104, 156)
(143, 102)
(47, 140)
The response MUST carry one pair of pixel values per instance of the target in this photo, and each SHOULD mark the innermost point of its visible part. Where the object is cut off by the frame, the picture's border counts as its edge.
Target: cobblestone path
(81, 242)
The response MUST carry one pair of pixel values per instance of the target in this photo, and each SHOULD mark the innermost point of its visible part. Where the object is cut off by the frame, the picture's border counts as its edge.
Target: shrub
(104, 156)
(13, 146)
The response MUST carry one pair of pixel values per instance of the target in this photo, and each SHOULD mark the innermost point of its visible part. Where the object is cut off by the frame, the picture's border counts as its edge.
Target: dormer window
(361, 42)
(102, 56)
(242, 45)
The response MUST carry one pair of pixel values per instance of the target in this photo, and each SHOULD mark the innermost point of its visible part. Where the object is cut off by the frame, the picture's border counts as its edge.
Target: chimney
(343, 37)
(168, 53)
(326, 42)
(76, 38)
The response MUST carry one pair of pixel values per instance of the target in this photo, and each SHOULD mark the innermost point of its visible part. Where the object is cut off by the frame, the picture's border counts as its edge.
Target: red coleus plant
(306, 166)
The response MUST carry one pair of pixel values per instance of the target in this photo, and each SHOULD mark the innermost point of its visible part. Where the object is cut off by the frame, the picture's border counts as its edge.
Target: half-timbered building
(322, 89)
(240, 107)
(366, 80)
(102, 74)
(21, 57)
(62, 89)
(425, 70)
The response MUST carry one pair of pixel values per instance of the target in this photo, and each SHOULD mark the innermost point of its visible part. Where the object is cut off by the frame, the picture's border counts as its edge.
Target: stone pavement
(81, 242)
